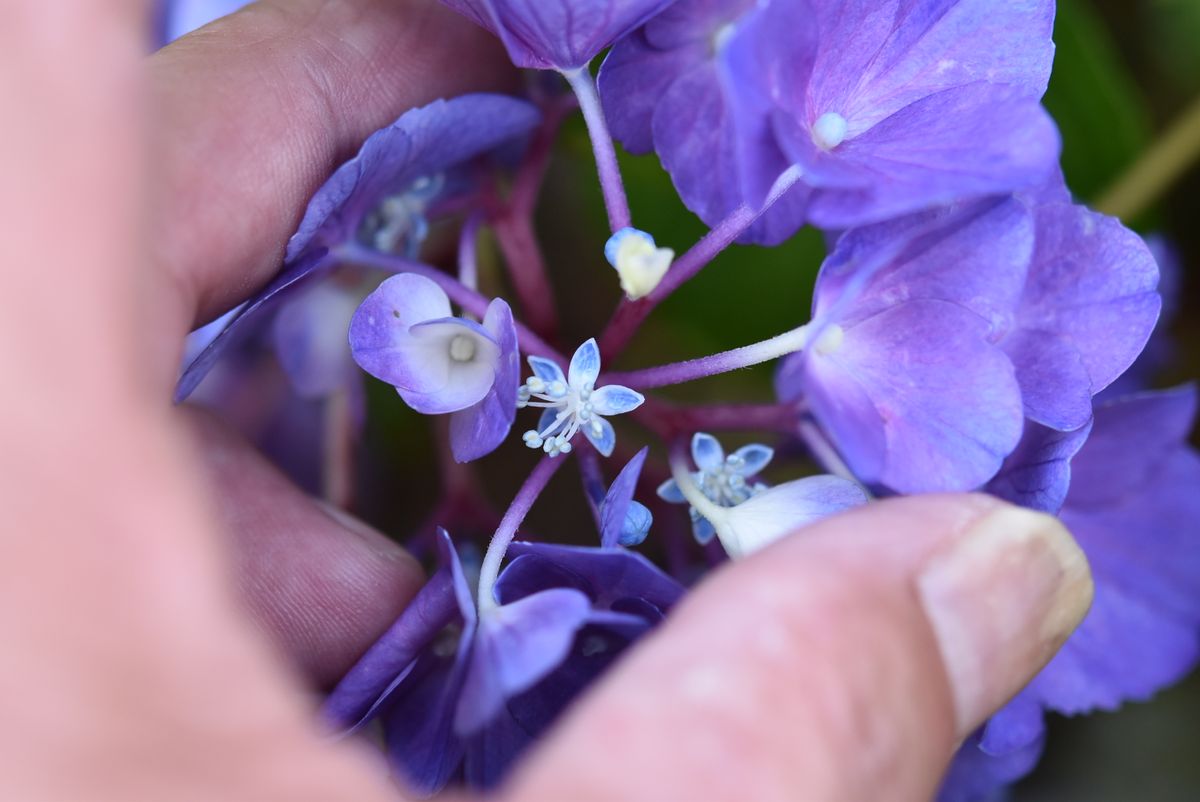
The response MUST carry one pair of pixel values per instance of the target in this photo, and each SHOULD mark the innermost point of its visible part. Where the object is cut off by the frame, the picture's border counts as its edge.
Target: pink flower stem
(630, 315)
(489, 572)
(609, 171)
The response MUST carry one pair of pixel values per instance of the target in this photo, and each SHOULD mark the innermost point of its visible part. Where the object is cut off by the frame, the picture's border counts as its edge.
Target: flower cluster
(963, 324)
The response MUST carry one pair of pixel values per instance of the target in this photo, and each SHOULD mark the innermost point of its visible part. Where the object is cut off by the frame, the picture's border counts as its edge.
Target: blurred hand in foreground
(147, 549)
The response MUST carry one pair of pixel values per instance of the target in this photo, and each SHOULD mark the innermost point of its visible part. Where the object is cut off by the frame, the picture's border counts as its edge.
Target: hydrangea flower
(936, 334)
(1133, 507)
(725, 480)
(405, 335)
(390, 175)
(640, 263)
(572, 403)
(560, 35)
(906, 379)
(747, 515)
(887, 107)
(459, 691)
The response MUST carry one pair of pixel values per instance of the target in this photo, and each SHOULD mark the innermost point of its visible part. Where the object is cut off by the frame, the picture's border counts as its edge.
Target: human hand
(133, 671)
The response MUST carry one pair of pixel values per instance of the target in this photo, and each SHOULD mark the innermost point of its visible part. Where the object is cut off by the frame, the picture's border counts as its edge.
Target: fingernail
(1001, 601)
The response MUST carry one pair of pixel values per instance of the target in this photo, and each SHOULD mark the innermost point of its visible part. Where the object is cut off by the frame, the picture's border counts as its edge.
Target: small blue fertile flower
(624, 521)
(640, 263)
(404, 334)
(559, 35)
(460, 693)
(747, 516)
(380, 197)
(902, 371)
(725, 480)
(886, 107)
(573, 403)
(1133, 507)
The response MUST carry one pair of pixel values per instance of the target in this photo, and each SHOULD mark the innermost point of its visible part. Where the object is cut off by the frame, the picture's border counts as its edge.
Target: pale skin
(169, 605)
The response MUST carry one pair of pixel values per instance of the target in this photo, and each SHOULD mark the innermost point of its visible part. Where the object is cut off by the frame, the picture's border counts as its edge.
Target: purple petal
(516, 645)
(368, 684)
(241, 324)
(1137, 434)
(422, 142)
(878, 56)
(607, 576)
(924, 373)
(480, 429)
(311, 339)
(975, 255)
(1090, 301)
(970, 141)
(1038, 474)
(382, 343)
(428, 354)
(976, 775)
(563, 34)
(616, 503)
(417, 722)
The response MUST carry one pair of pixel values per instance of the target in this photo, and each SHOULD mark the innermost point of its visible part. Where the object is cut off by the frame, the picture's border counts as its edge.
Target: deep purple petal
(516, 645)
(1038, 474)
(1055, 386)
(616, 503)
(422, 142)
(242, 323)
(417, 722)
(606, 575)
(633, 80)
(1131, 440)
(557, 34)
(388, 661)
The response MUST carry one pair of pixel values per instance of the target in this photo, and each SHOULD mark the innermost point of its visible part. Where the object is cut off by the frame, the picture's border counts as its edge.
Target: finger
(254, 112)
(321, 584)
(842, 663)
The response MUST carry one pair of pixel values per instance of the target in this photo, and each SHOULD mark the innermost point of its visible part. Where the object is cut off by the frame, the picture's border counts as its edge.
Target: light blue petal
(585, 365)
(754, 458)
(707, 452)
(638, 520)
(604, 442)
(546, 370)
(669, 492)
(613, 399)
(703, 531)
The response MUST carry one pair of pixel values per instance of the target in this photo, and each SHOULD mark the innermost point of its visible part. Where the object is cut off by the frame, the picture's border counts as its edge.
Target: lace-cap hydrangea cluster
(971, 328)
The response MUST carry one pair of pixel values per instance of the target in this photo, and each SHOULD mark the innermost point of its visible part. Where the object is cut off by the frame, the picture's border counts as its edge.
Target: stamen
(462, 348)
